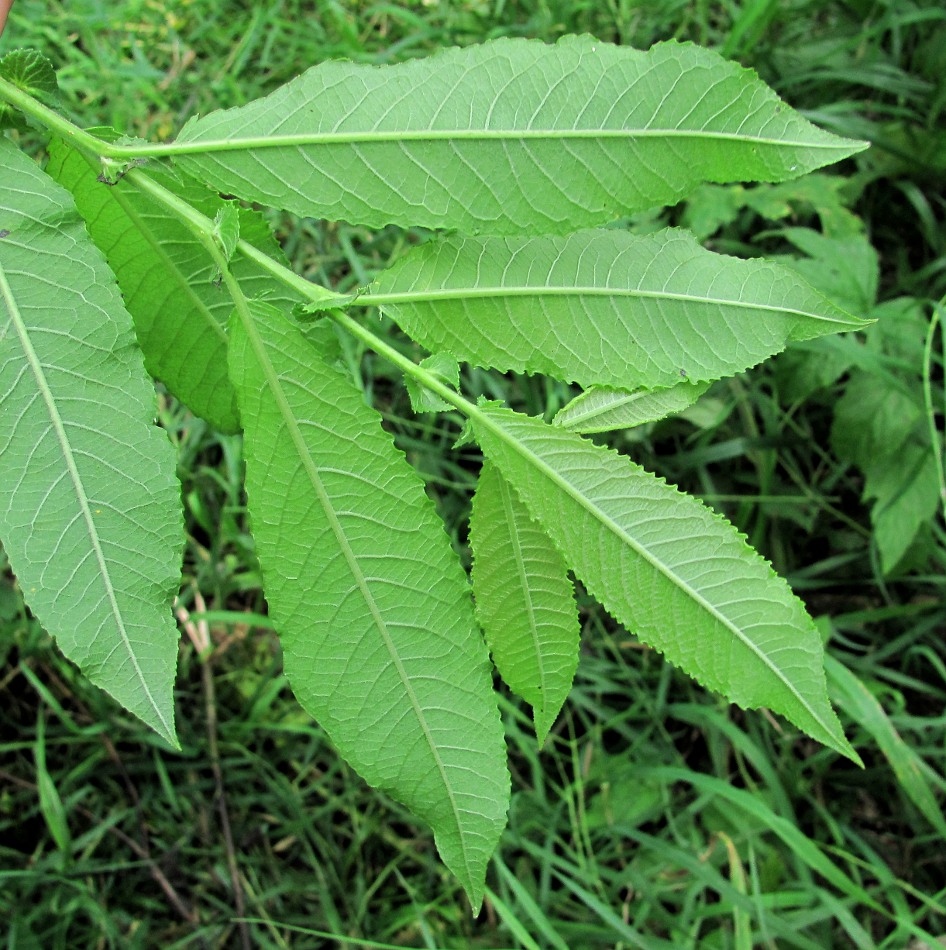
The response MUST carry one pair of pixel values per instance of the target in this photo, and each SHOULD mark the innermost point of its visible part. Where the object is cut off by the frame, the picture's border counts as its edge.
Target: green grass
(656, 816)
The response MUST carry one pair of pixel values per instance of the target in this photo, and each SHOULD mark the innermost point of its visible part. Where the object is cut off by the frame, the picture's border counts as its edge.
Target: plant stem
(203, 228)
(321, 297)
(53, 121)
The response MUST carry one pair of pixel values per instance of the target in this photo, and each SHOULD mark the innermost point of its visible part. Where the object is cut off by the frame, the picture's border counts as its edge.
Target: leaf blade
(674, 573)
(89, 510)
(603, 409)
(602, 307)
(507, 137)
(168, 280)
(371, 604)
(524, 599)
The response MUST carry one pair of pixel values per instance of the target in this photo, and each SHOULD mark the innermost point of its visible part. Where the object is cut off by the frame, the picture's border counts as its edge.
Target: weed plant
(656, 816)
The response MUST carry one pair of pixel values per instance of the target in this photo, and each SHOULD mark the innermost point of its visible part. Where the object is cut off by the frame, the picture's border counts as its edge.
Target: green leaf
(447, 370)
(32, 73)
(90, 510)
(674, 573)
(168, 280)
(602, 307)
(509, 137)
(524, 599)
(371, 604)
(602, 409)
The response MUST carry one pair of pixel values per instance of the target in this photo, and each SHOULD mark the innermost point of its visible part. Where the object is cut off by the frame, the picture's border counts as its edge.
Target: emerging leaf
(513, 136)
(370, 602)
(90, 511)
(524, 599)
(602, 307)
(673, 572)
(602, 409)
(168, 279)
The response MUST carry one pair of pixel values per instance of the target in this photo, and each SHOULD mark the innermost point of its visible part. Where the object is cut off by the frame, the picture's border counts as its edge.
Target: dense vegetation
(656, 815)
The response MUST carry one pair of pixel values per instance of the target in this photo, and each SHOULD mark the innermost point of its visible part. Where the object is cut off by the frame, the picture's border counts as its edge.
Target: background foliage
(656, 815)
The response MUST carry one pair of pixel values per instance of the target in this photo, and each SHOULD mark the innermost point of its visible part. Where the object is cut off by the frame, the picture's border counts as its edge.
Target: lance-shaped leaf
(669, 569)
(370, 602)
(509, 137)
(168, 280)
(524, 599)
(603, 306)
(90, 510)
(603, 409)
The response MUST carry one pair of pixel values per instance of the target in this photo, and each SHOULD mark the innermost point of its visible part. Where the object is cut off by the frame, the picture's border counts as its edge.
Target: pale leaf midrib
(576, 418)
(197, 146)
(36, 368)
(543, 290)
(298, 440)
(504, 493)
(531, 458)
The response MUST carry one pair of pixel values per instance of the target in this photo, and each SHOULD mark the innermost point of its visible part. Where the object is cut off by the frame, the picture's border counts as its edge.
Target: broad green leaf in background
(674, 573)
(602, 306)
(370, 601)
(603, 409)
(89, 503)
(512, 136)
(169, 283)
(525, 600)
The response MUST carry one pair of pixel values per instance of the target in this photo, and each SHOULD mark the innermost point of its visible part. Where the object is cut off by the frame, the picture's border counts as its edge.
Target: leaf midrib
(531, 458)
(36, 368)
(505, 490)
(298, 440)
(540, 290)
(191, 146)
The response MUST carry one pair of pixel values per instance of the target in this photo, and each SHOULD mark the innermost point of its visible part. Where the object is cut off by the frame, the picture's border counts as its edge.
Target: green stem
(53, 121)
(203, 229)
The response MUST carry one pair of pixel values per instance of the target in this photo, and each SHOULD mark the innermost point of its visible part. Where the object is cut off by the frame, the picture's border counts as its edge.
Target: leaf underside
(524, 599)
(669, 569)
(603, 409)
(508, 137)
(371, 604)
(89, 502)
(602, 307)
(168, 279)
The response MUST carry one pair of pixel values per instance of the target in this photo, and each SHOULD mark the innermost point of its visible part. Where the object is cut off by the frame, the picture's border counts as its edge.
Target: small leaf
(227, 229)
(602, 409)
(524, 599)
(444, 368)
(602, 307)
(371, 604)
(32, 73)
(677, 575)
(90, 508)
(167, 277)
(513, 136)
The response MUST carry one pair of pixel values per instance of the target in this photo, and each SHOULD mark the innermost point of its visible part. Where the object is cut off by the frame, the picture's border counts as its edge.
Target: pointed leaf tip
(674, 573)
